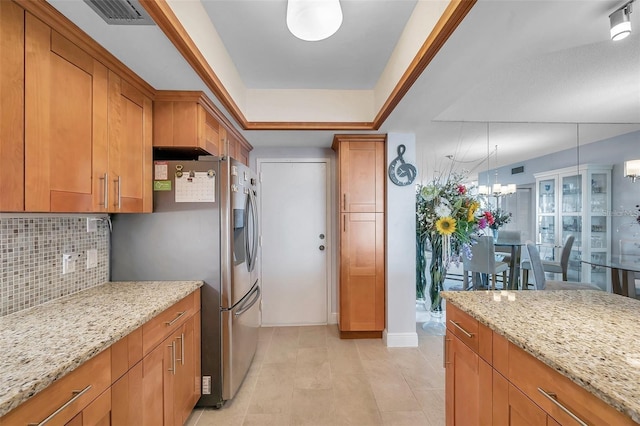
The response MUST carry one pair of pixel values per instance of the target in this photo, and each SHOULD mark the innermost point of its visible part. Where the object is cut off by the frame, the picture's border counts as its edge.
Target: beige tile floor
(309, 376)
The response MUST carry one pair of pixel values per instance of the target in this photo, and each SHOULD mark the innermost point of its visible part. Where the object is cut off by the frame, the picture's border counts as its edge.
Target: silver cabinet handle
(76, 395)
(181, 359)
(553, 398)
(466, 333)
(105, 187)
(173, 357)
(173, 321)
(344, 201)
(118, 183)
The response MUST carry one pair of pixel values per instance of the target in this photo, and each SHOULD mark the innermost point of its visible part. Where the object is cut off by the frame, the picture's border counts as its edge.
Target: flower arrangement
(498, 218)
(446, 215)
(446, 208)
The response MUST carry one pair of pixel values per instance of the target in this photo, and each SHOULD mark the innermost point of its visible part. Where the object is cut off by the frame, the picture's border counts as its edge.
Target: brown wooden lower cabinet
(491, 381)
(124, 386)
(362, 285)
(468, 385)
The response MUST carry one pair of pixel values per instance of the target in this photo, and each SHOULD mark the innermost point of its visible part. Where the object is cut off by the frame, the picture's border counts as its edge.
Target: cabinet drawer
(536, 379)
(475, 335)
(70, 394)
(156, 330)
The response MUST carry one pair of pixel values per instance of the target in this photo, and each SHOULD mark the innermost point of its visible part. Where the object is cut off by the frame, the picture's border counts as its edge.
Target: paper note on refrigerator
(196, 187)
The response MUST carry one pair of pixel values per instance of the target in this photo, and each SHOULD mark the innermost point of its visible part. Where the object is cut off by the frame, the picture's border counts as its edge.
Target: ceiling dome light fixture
(620, 23)
(313, 20)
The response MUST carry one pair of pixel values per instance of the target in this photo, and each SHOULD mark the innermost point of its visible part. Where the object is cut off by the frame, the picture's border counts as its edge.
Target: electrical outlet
(69, 262)
(92, 258)
(92, 224)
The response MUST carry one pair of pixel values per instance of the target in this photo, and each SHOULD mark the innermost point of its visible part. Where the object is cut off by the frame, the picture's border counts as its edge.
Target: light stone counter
(43, 343)
(591, 337)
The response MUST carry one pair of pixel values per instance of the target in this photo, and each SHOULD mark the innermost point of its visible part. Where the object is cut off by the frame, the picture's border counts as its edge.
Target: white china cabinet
(576, 200)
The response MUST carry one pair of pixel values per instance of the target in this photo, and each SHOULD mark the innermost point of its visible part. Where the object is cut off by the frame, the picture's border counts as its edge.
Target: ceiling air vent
(120, 12)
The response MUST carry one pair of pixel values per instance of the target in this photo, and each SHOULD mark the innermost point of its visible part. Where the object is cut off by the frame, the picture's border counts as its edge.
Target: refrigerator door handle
(257, 292)
(254, 216)
(251, 241)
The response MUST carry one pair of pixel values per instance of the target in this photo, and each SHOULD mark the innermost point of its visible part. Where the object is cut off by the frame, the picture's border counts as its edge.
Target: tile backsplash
(31, 249)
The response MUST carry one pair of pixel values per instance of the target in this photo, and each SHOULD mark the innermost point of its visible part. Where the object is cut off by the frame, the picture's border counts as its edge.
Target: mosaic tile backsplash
(31, 250)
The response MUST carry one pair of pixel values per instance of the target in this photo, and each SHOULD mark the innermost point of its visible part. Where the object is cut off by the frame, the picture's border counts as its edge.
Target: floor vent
(120, 12)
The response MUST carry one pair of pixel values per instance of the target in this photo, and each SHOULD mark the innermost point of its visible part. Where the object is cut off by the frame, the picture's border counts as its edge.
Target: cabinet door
(210, 137)
(362, 293)
(98, 413)
(129, 149)
(127, 396)
(153, 374)
(361, 177)
(512, 407)
(65, 116)
(189, 370)
(468, 385)
(11, 107)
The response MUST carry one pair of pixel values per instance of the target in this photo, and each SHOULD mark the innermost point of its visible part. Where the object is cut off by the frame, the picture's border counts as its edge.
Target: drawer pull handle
(466, 333)
(173, 321)
(76, 395)
(553, 398)
(181, 359)
(172, 346)
(444, 351)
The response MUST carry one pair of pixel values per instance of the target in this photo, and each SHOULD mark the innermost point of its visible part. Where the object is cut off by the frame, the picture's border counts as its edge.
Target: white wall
(400, 250)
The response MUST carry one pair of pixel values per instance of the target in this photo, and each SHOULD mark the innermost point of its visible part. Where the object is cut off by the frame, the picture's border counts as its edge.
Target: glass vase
(437, 273)
(421, 268)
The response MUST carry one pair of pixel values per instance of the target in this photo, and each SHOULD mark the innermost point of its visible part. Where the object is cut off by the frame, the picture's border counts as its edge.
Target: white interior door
(294, 243)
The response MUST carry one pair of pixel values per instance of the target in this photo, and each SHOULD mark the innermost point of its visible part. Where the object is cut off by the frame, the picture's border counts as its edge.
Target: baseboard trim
(333, 318)
(400, 340)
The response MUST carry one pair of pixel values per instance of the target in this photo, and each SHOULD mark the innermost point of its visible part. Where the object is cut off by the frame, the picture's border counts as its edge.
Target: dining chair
(541, 283)
(559, 267)
(483, 261)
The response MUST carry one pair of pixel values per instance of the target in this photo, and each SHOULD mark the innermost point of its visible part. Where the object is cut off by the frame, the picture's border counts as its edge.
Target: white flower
(442, 210)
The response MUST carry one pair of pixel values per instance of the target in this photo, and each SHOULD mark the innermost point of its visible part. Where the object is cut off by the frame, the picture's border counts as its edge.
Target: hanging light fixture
(620, 23)
(497, 189)
(632, 169)
(313, 20)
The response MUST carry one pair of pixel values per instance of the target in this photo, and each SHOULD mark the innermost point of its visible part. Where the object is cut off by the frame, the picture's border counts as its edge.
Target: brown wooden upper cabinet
(189, 120)
(87, 131)
(11, 107)
(129, 153)
(361, 172)
(184, 120)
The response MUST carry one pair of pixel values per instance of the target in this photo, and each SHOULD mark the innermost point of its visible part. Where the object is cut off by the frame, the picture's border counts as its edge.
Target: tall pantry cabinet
(361, 189)
(11, 107)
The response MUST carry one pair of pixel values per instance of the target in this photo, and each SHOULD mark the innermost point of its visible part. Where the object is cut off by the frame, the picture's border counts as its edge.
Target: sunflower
(472, 211)
(446, 225)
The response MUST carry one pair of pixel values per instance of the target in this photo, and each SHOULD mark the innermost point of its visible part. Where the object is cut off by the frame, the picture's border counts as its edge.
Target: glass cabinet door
(599, 193)
(571, 194)
(547, 196)
(547, 230)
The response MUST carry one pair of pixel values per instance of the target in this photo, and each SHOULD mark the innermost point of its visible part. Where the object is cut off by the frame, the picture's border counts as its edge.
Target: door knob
(321, 248)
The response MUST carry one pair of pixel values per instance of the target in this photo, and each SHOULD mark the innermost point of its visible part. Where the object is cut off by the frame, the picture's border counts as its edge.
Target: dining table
(623, 269)
(514, 262)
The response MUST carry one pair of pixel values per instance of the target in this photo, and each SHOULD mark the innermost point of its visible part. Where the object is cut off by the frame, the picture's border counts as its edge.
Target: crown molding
(167, 21)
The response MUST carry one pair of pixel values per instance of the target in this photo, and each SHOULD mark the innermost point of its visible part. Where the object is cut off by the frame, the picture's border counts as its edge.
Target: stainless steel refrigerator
(204, 227)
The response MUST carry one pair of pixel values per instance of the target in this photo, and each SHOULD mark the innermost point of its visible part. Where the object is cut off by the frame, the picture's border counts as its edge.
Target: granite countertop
(591, 337)
(43, 343)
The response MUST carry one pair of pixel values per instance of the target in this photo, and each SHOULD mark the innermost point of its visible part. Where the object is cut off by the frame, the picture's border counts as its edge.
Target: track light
(620, 23)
